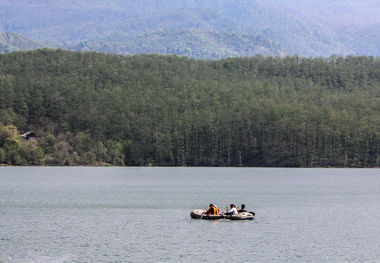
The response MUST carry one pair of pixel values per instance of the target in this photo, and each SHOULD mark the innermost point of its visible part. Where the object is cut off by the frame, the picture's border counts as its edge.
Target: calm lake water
(143, 215)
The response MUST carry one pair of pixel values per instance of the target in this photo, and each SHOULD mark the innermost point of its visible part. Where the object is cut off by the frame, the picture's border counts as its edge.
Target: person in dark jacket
(242, 209)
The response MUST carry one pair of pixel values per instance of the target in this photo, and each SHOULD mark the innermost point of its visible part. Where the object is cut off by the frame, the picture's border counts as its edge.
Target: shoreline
(216, 167)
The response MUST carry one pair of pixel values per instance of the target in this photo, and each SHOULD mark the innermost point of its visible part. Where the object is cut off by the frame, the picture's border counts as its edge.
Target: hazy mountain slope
(12, 42)
(296, 33)
(78, 20)
(356, 23)
(337, 13)
(306, 28)
(362, 40)
(190, 42)
(55, 20)
(136, 25)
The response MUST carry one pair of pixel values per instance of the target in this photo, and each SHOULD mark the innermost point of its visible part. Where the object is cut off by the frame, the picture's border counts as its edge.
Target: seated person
(232, 210)
(212, 210)
(242, 209)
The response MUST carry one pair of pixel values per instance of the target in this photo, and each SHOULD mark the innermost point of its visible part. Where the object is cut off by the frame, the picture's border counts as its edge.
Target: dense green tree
(10, 142)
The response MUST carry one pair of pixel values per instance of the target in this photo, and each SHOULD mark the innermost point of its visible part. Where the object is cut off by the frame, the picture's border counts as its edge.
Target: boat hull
(201, 214)
(241, 216)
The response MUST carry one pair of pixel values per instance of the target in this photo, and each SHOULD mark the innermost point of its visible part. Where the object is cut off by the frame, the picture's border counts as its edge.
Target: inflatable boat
(241, 216)
(201, 214)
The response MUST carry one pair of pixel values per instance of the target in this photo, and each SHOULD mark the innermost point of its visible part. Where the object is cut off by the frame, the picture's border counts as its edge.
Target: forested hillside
(91, 108)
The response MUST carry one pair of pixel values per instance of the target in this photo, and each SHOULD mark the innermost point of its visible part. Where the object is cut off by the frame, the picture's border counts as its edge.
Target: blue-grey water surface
(143, 215)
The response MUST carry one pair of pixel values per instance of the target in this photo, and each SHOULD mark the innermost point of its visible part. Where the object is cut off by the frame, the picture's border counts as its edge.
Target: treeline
(97, 109)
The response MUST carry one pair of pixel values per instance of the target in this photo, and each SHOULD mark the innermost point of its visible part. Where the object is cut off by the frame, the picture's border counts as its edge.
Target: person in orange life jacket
(232, 210)
(216, 210)
(212, 210)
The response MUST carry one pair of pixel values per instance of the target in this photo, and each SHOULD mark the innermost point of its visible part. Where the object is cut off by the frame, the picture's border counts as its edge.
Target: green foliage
(97, 109)
(49, 144)
(33, 154)
(10, 143)
(115, 152)
(9, 137)
(2, 156)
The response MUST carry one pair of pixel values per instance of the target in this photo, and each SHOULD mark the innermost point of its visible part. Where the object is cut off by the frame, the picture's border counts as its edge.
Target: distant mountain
(362, 40)
(194, 27)
(356, 23)
(13, 42)
(189, 42)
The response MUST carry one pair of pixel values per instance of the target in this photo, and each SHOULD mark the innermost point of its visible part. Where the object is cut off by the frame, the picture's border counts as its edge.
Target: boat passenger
(242, 209)
(232, 210)
(212, 210)
(216, 210)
